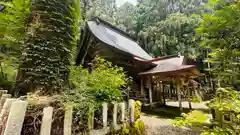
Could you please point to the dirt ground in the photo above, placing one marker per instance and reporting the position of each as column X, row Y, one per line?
column 159, row 120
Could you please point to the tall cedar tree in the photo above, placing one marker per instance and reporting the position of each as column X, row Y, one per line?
column 46, row 53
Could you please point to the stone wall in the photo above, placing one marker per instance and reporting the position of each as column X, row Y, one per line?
column 13, row 111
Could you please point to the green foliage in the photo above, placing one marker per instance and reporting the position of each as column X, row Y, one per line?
column 137, row 110
column 83, row 103
column 220, row 131
column 221, row 34
column 46, row 53
column 105, row 82
column 193, row 118
column 195, row 99
column 173, row 35
column 105, row 9
column 8, row 69
column 137, row 129
column 226, row 100
column 13, row 22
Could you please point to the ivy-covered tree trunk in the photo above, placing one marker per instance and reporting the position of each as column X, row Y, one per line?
column 46, row 53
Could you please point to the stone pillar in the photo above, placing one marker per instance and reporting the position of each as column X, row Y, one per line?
column 16, row 118
column 131, row 109
column 104, row 114
column 122, row 107
column 3, row 99
column 3, row 92
column 91, row 119
column 4, row 114
column 46, row 121
column 68, row 121
column 114, row 124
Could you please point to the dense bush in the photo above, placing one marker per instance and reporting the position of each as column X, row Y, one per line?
column 105, row 83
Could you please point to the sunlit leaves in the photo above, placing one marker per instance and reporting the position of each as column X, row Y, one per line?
column 105, row 81
column 220, row 31
column 193, row 118
column 13, row 22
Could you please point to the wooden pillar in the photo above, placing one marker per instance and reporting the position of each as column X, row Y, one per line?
column 189, row 97
column 171, row 91
column 150, row 89
column 160, row 91
column 142, row 86
column 163, row 93
column 179, row 95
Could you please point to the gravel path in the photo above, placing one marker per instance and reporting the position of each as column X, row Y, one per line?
column 160, row 126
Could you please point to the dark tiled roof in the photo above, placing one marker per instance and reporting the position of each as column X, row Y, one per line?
column 117, row 39
column 170, row 66
column 165, row 68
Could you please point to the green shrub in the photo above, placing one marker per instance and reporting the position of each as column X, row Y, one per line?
column 137, row 110
column 137, row 129
column 191, row 119
column 195, row 99
column 8, row 70
column 104, row 83
column 82, row 103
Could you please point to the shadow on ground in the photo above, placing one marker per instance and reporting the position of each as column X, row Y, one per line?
column 168, row 112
